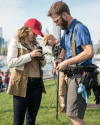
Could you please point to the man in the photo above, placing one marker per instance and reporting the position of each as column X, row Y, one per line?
column 54, row 74
column 1, row 81
column 60, row 14
column 50, row 40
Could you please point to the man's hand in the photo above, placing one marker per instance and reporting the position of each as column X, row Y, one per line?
column 62, row 66
column 54, row 65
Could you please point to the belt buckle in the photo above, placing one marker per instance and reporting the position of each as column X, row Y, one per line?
column 31, row 79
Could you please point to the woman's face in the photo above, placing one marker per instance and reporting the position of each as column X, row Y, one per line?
column 31, row 36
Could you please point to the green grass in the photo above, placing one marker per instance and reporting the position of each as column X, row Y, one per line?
column 92, row 116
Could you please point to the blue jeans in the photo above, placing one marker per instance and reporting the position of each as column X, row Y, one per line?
column 1, row 87
column 6, row 86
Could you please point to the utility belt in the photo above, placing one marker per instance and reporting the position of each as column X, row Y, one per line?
column 70, row 71
column 89, row 74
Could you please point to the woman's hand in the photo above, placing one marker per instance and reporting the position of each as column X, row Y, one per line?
column 42, row 60
column 36, row 53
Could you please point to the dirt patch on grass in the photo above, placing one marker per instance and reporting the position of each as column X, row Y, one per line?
column 93, row 106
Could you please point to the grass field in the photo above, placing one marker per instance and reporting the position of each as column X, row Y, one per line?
column 92, row 116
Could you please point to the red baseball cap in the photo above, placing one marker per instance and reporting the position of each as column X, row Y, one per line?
column 35, row 25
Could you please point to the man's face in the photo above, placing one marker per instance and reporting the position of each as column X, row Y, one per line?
column 59, row 21
column 50, row 42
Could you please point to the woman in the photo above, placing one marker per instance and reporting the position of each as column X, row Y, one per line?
column 26, row 84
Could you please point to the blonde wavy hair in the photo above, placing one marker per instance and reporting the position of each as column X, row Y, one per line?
column 23, row 32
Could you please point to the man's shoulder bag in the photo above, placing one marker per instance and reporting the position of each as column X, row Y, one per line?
column 90, row 73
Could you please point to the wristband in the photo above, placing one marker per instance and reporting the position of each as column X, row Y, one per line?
column 60, row 58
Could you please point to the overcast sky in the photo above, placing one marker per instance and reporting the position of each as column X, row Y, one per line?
column 14, row 13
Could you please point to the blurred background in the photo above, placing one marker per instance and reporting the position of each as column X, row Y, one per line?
column 14, row 13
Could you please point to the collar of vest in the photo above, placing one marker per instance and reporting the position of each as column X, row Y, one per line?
column 26, row 45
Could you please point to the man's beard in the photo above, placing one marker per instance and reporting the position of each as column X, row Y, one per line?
column 51, row 44
column 63, row 24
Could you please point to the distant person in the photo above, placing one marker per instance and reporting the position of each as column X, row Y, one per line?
column 2, row 74
column 54, row 74
column 8, row 71
column 9, row 74
column 26, row 83
column 1, row 82
column 50, row 40
column 6, row 81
